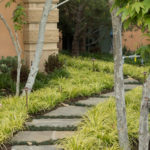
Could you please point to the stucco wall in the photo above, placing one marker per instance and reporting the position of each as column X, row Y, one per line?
column 29, row 34
column 134, row 39
column 6, row 45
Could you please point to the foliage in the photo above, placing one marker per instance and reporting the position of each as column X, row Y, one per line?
column 18, row 14
column 7, row 85
column 98, row 129
column 88, row 15
column 23, row 74
column 53, row 63
column 144, row 51
column 7, row 64
column 75, row 79
column 135, row 12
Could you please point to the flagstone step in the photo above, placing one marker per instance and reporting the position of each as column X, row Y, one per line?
column 91, row 101
column 130, row 86
column 68, row 111
column 53, row 123
column 39, row 147
column 37, row 137
column 130, row 81
column 110, row 94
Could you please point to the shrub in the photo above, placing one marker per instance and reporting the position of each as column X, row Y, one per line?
column 7, row 85
column 23, row 75
column 53, row 63
column 8, row 63
column 144, row 51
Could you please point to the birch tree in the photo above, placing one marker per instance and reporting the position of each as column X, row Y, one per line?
column 144, row 128
column 136, row 13
column 18, row 17
column 119, row 80
column 39, row 46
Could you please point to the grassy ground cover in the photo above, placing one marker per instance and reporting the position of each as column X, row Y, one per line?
column 99, row 128
column 77, row 78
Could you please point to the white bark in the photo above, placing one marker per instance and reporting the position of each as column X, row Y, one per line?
column 18, row 51
column 119, row 81
column 143, row 129
column 39, row 47
column 18, row 67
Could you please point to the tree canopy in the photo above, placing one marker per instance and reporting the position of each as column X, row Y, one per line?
column 134, row 12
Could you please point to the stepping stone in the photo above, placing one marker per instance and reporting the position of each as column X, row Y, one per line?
column 43, row 147
column 91, row 101
column 130, row 86
column 130, row 81
column 40, row 136
column 61, row 123
column 68, row 111
column 111, row 94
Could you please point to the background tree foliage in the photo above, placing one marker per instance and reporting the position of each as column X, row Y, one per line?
column 80, row 18
column 135, row 12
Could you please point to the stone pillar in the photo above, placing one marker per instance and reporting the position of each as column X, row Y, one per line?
column 34, row 10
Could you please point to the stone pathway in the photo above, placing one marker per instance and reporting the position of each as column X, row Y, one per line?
column 42, row 133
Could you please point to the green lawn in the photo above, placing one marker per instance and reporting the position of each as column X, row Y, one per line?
column 77, row 78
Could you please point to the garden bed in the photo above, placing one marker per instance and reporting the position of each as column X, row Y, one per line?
column 99, row 127
column 78, row 78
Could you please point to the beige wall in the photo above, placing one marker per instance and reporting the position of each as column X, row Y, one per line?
column 6, row 45
column 29, row 35
column 134, row 39
column 34, row 10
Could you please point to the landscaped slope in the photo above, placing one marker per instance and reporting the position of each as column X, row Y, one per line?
column 99, row 128
column 79, row 77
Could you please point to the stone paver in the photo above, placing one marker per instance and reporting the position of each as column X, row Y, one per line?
column 54, row 122
column 40, row 136
column 68, row 111
column 108, row 94
column 43, row 147
column 130, row 80
column 130, row 86
column 91, row 101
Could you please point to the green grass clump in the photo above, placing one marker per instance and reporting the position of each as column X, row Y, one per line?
column 68, row 83
column 99, row 127
column 75, row 79
column 136, row 72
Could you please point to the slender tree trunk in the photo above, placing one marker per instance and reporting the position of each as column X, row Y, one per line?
column 39, row 47
column 75, row 43
column 119, row 81
column 18, row 51
column 143, row 129
column 83, row 42
column 18, row 75
column 19, row 66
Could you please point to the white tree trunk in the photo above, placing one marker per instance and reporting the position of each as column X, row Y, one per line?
column 143, row 129
column 119, row 81
column 18, row 76
column 39, row 47
column 18, row 67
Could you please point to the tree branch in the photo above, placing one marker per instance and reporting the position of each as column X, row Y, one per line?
column 20, row 49
column 58, row 5
column 10, row 33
